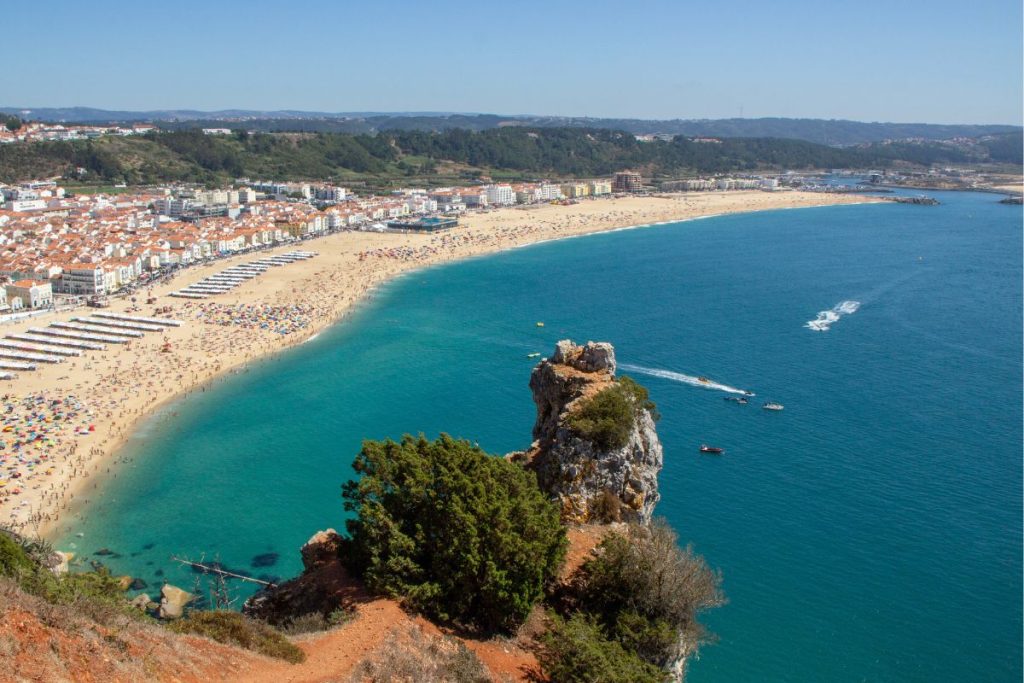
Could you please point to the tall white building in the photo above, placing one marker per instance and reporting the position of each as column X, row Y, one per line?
column 172, row 206
column 500, row 195
column 330, row 193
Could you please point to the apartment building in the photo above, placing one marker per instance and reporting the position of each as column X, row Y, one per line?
column 627, row 181
column 85, row 279
column 500, row 195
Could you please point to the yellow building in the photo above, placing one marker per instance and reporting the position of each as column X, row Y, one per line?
column 576, row 190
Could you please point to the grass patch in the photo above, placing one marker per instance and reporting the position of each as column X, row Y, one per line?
column 412, row 656
column 315, row 621
column 232, row 628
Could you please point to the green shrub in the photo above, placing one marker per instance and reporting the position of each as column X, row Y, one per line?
column 14, row 561
column 68, row 588
column 233, row 628
column 654, row 640
column 577, row 651
column 94, row 594
column 642, row 575
column 640, row 396
column 607, row 418
column 458, row 534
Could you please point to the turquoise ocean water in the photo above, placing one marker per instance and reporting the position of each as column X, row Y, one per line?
column 869, row 532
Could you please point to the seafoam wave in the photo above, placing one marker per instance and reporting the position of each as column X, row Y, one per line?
column 683, row 379
column 826, row 319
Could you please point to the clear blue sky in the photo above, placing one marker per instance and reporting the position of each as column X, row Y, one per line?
column 938, row 61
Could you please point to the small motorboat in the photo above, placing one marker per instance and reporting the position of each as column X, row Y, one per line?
column 705, row 380
column 540, row 324
column 535, row 354
column 772, row 405
column 715, row 450
column 742, row 400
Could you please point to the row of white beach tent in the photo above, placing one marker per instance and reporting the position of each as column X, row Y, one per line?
column 63, row 340
column 228, row 279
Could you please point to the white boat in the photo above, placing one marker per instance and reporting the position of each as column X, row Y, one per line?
column 772, row 405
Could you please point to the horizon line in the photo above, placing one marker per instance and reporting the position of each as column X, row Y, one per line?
column 294, row 113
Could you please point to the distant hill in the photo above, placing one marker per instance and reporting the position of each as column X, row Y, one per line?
column 458, row 156
column 834, row 132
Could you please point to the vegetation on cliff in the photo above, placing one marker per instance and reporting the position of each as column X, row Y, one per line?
column 96, row 594
column 100, row 597
column 639, row 594
column 576, row 650
column 607, row 418
column 454, row 532
column 642, row 575
column 237, row 629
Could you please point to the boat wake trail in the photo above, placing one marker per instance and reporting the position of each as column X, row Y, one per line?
column 826, row 319
column 683, row 379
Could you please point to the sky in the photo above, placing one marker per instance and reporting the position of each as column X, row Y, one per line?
column 938, row 61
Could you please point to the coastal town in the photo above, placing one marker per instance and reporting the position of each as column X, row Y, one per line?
column 59, row 249
column 36, row 131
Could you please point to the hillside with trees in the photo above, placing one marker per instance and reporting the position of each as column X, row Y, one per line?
column 456, row 155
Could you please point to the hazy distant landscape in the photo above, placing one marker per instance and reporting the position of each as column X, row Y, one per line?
column 823, row 131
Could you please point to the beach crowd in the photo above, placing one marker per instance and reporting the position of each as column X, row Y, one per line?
column 277, row 319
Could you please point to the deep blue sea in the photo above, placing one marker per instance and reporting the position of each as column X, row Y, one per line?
column 869, row 532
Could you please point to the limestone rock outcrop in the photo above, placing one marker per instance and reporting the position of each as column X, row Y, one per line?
column 591, row 483
column 173, row 601
column 322, row 548
column 323, row 587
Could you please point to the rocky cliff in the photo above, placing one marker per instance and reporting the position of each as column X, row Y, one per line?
column 592, row 482
column 323, row 587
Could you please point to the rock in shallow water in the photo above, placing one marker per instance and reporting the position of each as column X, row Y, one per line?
column 173, row 601
column 264, row 560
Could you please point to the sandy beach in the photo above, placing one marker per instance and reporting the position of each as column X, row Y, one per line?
column 68, row 419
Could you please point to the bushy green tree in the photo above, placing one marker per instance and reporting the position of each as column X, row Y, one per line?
column 454, row 532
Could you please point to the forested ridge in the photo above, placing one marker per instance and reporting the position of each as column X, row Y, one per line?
column 440, row 157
